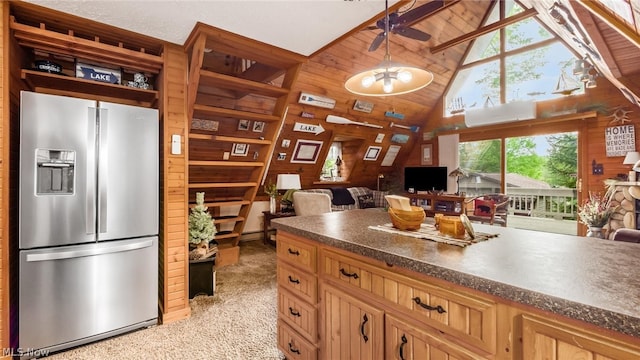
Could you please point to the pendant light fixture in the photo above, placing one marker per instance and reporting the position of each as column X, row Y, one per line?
column 388, row 78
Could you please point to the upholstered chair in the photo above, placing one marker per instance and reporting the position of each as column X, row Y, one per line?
column 307, row 203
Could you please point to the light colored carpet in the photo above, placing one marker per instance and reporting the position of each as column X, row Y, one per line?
column 237, row 322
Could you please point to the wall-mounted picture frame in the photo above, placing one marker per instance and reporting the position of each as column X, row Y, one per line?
column 243, row 125
column 286, row 143
column 282, row 156
column 427, row 154
column 372, row 153
column 379, row 138
column 306, row 151
column 240, row 149
column 258, row 126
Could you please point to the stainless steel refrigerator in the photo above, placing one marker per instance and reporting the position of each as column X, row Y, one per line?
column 88, row 220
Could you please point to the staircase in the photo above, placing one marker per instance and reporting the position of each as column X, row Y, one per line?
column 238, row 95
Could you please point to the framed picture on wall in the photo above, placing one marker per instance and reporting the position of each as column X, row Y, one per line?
column 372, row 153
column 240, row 150
column 258, row 126
column 243, row 125
column 427, row 154
column 306, row 151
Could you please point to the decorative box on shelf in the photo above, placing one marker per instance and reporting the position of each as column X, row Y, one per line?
column 98, row 73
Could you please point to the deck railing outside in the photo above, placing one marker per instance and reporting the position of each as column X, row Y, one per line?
column 560, row 204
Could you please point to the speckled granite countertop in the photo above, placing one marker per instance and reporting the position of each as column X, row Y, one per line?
column 593, row 280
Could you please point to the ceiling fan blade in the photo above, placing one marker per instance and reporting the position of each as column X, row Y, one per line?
column 413, row 34
column 376, row 42
column 417, row 14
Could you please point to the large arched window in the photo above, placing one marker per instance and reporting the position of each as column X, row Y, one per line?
column 527, row 65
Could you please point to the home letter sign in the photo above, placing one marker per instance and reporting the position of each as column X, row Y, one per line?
column 620, row 140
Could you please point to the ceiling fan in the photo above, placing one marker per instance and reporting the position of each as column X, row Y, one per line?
column 401, row 23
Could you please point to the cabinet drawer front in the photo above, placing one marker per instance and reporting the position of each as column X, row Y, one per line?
column 298, row 314
column 301, row 254
column 293, row 345
column 466, row 317
column 298, row 282
column 404, row 341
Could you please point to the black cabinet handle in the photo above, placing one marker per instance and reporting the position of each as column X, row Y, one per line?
column 345, row 273
column 401, row 350
column 293, row 281
column 294, row 312
column 438, row 308
column 296, row 252
column 293, row 350
column 365, row 320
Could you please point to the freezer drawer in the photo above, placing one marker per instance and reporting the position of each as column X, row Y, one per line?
column 70, row 294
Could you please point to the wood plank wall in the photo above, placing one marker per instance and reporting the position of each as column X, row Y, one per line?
column 4, row 177
column 174, row 260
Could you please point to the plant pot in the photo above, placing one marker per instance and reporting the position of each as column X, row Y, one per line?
column 595, row 232
column 272, row 204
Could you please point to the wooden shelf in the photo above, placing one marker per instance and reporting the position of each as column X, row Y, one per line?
column 67, row 44
column 38, row 81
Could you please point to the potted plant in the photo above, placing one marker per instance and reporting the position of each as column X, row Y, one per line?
column 201, row 229
column 271, row 190
column 595, row 213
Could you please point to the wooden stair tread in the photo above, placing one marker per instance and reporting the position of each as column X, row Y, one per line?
column 227, row 219
column 200, row 110
column 226, row 163
column 231, row 139
column 220, row 185
column 221, row 235
column 210, row 78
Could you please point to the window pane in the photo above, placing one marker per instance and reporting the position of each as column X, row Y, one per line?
column 481, row 160
column 483, row 47
column 331, row 167
column 471, row 87
column 534, row 75
column 523, row 33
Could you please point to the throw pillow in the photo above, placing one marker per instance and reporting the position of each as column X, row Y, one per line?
column 482, row 207
column 366, row 201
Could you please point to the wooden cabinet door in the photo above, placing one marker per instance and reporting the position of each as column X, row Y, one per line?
column 407, row 342
column 546, row 339
column 352, row 329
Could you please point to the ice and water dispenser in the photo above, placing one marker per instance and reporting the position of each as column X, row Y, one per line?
column 54, row 171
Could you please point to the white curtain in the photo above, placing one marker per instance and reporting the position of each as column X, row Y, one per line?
column 448, row 156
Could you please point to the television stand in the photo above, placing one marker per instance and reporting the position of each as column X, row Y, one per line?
column 447, row 204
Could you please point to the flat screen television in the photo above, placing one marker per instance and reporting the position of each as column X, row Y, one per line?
column 426, row 178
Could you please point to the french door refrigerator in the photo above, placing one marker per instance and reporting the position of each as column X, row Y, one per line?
column 88, row 220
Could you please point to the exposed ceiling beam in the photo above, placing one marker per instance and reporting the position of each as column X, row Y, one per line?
column 484, row 30
column 597, row 9
column 584, row 17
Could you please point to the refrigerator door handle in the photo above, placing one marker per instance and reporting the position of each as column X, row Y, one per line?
column 70, row 254
column 103, row 162
column 90, row 205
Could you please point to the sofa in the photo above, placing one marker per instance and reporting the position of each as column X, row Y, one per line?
column 352, row 198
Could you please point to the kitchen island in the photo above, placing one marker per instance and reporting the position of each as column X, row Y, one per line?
column 523, row 294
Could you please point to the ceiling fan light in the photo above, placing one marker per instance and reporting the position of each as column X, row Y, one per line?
column 367, row 81
column 387, row 85
column 578, row 69
column 405, row 76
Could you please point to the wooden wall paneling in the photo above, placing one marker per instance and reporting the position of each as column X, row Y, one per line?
column 174, row 259
column 5, row 290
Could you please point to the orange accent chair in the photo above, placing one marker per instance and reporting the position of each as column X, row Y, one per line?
column 488, row 208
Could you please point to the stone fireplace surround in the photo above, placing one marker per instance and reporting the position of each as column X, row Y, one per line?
column 625, row 215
